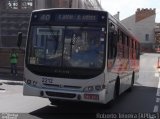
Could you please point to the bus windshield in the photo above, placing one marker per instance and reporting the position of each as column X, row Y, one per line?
column 67, row 46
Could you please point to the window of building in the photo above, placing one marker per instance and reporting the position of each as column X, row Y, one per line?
column 147, row 37
column 26, row 4
column 20, row 4
column 13, row 4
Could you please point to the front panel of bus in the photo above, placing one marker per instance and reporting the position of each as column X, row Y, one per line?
column 66, row 53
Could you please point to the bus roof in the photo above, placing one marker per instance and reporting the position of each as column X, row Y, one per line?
column 68, row 9
column 123, row 27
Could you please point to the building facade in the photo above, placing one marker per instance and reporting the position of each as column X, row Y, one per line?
column 14, row 18
column 157, row 37
column 15, row 14
column 86, row 4
column 142, row 25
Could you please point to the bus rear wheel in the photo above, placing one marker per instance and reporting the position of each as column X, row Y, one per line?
column 132, row 82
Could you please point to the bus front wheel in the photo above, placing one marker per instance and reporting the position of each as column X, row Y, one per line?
column 117, row 88
column 115, row 93
column 55, row 102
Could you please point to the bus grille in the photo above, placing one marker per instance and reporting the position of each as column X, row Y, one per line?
column 62, row 86
column 63, row 95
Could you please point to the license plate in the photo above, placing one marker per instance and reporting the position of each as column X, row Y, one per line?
column 91, row 96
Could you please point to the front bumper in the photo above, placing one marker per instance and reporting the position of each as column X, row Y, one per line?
column 96, row 97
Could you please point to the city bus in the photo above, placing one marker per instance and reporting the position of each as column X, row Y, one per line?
column 79, row 55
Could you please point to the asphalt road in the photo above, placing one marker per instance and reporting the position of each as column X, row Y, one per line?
column 144, row 98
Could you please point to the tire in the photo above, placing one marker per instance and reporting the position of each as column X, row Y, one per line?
column 132, row 82
column 117, row 88
column 55, row 102
column 116, row 93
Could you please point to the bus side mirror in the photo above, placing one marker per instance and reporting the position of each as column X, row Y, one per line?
column 19, row 40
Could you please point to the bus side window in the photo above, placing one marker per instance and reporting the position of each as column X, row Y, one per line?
column 133, row 49
column 115, row 43
column 131, row 43
column 123, row 44
column 123, row 38
column 137, row 51
column 128, row 45
column 125, row 47
column 128, row 42
column 130, row 48
column 120, row 37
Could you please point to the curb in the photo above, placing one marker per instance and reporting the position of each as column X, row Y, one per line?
column 8, row 76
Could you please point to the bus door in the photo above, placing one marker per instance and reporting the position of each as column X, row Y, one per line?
column 112, row 45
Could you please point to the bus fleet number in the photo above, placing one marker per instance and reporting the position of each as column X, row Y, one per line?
column 47, row 81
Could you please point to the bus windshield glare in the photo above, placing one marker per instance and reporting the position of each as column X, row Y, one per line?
column 67, row 46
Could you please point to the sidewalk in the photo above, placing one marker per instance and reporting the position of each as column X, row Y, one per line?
column 6, row 75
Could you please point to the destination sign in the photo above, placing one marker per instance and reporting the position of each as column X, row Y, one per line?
column 68, row 18
column 75, row 17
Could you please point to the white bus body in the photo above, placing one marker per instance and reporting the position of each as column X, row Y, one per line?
column 115, row 72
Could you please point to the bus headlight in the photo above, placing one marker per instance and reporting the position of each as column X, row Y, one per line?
column 34, row 83
column 30, row 82
column 99, row 87
column 88, row 89
column 94, row 88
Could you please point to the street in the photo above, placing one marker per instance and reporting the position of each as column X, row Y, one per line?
column 144, row 98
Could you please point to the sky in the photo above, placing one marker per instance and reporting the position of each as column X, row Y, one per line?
column 129, row 7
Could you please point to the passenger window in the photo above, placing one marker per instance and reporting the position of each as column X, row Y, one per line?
column 120, row 37
column 127, row 41
column 137, row 51
column 123, row 38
